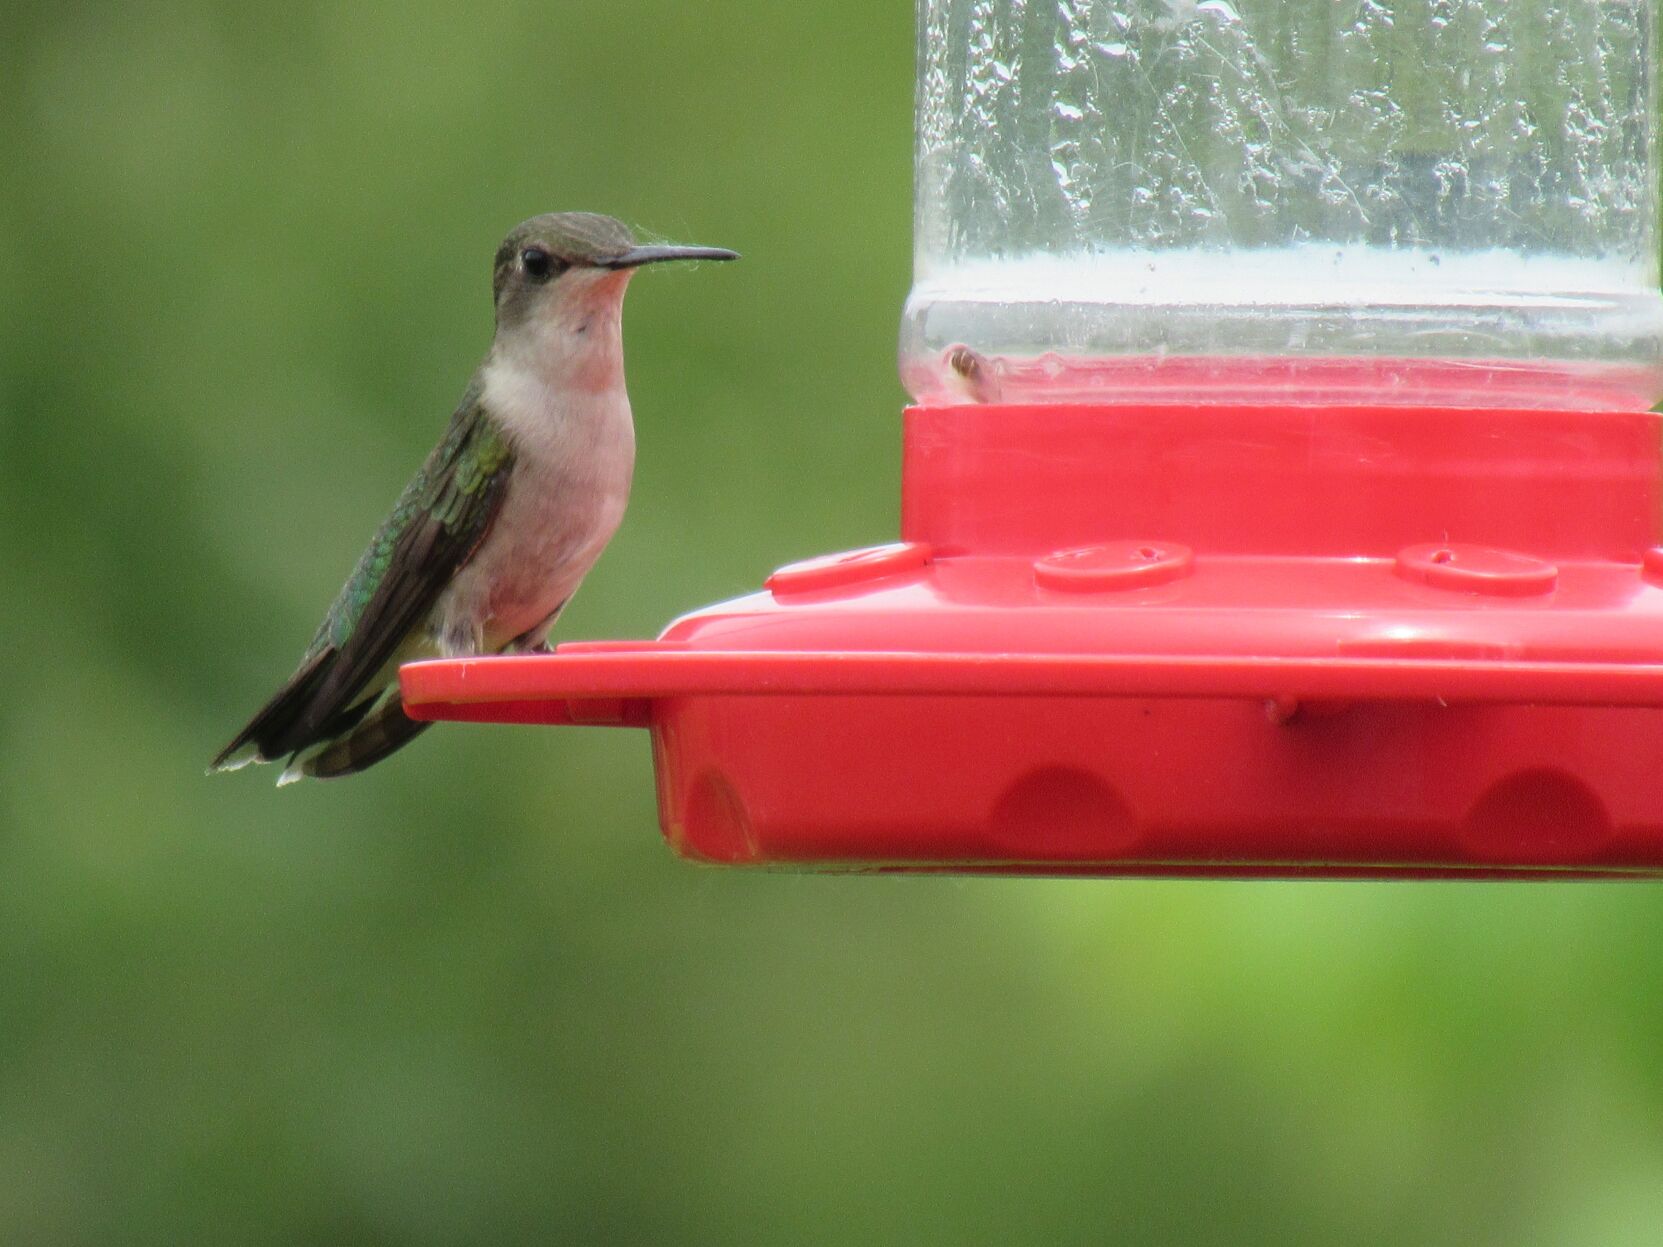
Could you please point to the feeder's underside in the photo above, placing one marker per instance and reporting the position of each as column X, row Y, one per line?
column 1117, row 785
column 1079, row 765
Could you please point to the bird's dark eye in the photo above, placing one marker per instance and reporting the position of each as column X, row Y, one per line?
column 539, row 265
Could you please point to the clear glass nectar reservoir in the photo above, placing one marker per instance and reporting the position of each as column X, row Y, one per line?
column 1413, row 201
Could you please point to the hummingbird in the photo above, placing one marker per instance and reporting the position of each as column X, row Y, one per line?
column 495, row 532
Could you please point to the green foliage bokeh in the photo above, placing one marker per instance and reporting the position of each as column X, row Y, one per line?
column 469, row 997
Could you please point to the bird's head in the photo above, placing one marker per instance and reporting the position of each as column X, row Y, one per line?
column 565, row 272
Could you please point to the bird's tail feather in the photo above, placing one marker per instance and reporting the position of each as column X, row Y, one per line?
column 262, row 739
column 385, row 729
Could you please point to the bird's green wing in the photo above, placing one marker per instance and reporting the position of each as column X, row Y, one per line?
column 436, row 525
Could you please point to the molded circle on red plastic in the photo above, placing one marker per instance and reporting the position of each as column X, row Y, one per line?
column 1476, row 569
column 1651, row 563
column 1116, row 565
column 835, row 571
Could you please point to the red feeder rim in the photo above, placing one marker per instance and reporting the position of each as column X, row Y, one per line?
column 1174, row 639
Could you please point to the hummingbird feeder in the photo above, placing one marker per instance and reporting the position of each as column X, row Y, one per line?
column 1280, row 495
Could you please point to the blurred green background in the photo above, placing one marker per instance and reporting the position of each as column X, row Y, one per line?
column 469, row 997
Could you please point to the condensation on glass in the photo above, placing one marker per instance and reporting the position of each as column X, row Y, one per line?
column 1416, row 201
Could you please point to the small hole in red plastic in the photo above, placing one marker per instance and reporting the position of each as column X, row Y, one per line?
column 1443, row 556
column 1148, row 553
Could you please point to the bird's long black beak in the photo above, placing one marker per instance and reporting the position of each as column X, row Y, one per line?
column 637, row 256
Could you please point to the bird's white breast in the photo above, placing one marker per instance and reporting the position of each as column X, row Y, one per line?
column 565, row 412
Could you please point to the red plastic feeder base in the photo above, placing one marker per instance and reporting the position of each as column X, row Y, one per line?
column 1175, row 640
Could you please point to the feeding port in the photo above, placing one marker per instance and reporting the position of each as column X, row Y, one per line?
column 1280, row 494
